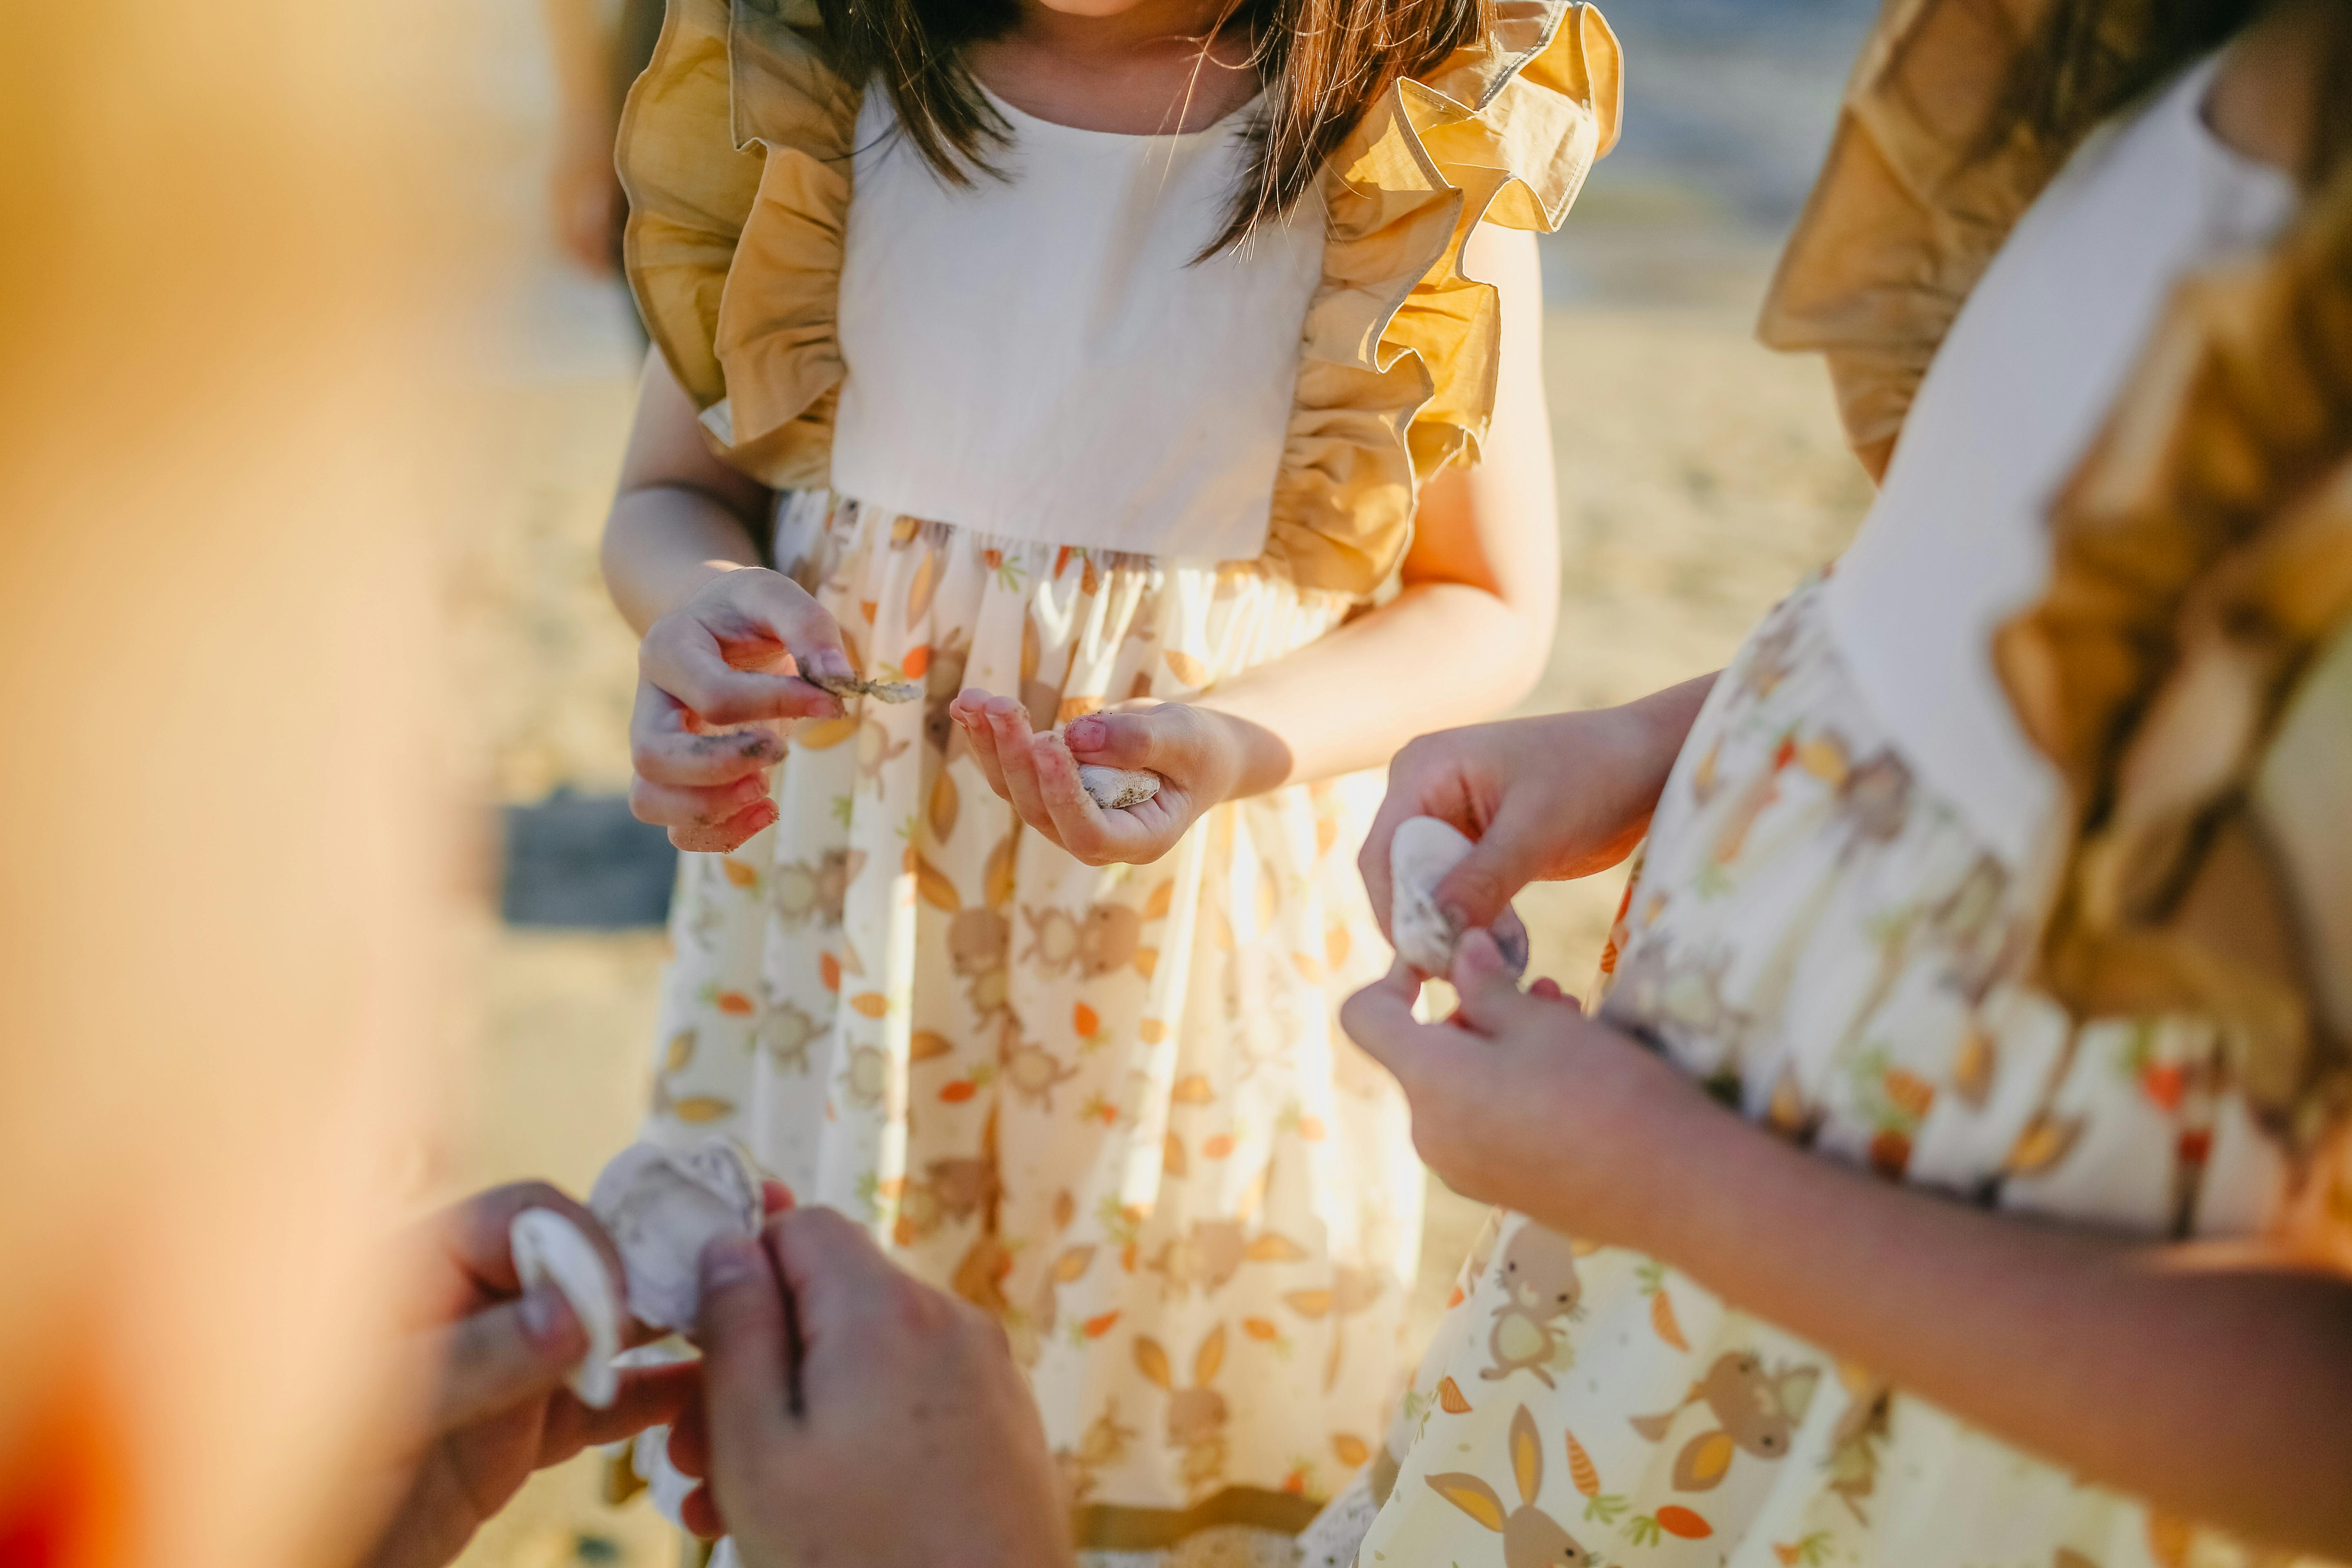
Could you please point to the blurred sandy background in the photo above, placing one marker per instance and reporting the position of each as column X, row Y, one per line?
column 1700, row 478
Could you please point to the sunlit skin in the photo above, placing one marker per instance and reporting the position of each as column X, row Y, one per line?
column 2209, row 1377
column 1467, row 634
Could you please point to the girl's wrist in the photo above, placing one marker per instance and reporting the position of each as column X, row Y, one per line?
column 1249, row 758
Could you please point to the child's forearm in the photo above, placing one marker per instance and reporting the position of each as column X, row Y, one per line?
column 663, row 543
column 1438, row 654
column 2213, row 1378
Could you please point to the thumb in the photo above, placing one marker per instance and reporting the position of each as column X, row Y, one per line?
column 1488, row 987
column 1144, row 739
column 746, row 1353
column 1505, row 858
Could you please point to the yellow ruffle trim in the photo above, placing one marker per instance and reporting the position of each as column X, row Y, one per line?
column 735, row 150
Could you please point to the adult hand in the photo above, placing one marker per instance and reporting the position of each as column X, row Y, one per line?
column 1565, row 795
column 1199, row 755
column 913, row 1442
column 1521, row 1099
column 729, row 657
column 496, row 1358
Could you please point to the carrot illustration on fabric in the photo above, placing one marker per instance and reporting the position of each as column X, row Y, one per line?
column 1538, row 1274
column 1531, row 1538
column 1753, row 1409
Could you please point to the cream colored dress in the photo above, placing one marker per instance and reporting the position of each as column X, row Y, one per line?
column 1832, row 927
column 1062, row 461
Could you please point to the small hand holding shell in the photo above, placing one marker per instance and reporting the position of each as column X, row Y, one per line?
column 1424, row 849
column 1115, row 789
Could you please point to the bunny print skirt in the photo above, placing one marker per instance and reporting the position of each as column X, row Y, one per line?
column 1819, row 937
column 1111, row 1106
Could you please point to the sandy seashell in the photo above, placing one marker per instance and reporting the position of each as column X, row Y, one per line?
column 848, row 686
column 1115, row 789
column 661, row 1208
column 550, row 1249
column 1424, row 851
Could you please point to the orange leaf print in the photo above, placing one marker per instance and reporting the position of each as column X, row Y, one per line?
column 1310, row 1128
column 678, row 1053
column 1327, row 834
column 2044, row 1143
column 1084, row 1021
column 1337, row 944
column 739, row 874
column 1077, row 708
column 1309, row 1303
column 821, row 734
column 1350, row 1449
column 828, row 970
column 1449, row 1398
column 1066, row 1209
column 947, row 800
column 1908, row 1090
column 1162, row 898
column 958, row 1092
column 1192, row 1088
column 1582, row 1469
column 917, row 661
column 1890, row 1154
column 1662, row 1317
column 701, row 1108
column 1260, row 1329
column 1217, row 1147
column 1073, row 1264
column 920, row 591
column 1032, row 649
column 1185, row 667
column 1151, row 1031
column 872, row 1004
column 1146, row 959
column 1676, row 1520
column 1172, row 1158
column 868, row 608
column 996, row 878
column 929, row 1045
column 1096, row 1327
column 932, row 884
column 736, row 1002
column 1309, row 967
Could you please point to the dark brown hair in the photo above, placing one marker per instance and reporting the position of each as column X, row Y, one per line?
column 2092, row 57
column 1322, row 63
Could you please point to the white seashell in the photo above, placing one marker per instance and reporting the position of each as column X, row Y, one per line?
column 1424, row 851
column 848, row 686
column 549, row 1248
column 1115, row 789
column 661, row 1208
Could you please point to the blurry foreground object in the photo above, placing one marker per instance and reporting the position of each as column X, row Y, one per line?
column 217, row 832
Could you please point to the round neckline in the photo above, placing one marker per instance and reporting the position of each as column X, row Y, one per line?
column 1021, row 117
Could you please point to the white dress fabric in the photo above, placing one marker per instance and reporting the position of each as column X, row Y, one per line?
column 1957, row 543
column 1047, row 356
column 1110, row 1105
column 1822, row 931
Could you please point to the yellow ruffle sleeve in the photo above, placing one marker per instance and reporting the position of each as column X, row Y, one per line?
column 735, row 150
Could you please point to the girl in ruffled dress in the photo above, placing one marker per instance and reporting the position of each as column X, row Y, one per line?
column 1955, row 1172
column 1155, row 385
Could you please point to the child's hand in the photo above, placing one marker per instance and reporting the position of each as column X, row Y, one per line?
column 715, row 662
column 1194, row 753
column 1563, row 795
column 1522, row 1100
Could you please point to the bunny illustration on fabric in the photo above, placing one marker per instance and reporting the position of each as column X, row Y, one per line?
column 1537, row 1273
column 1531, row 1538
column 1196, row 1416
column 1753, row 1409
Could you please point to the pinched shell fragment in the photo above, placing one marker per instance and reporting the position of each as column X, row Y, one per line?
column 848, row 686
column 661, row 1208
column 1115, row 789
column 1424, row 851
column 550, row 1249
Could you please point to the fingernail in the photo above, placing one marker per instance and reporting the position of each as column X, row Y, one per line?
column 829, row 662
column 729, row 1260
column 547, row 1318
column 1088, row 732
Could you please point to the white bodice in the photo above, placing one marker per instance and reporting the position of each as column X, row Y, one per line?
column 1041, row 357
column 1959, row 540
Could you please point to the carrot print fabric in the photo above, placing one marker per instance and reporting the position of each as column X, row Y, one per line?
column 1110, row 1106
column 1818, row 936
